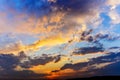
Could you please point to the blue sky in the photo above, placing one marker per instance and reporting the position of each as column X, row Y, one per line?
column 51, row 37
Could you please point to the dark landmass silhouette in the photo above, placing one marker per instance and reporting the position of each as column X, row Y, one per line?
column 87, row 78
column 98, row 78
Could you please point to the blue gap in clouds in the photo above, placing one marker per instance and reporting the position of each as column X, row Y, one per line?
column 106, row 20
column 30, row 7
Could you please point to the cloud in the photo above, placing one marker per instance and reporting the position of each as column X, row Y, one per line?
column 8, row 61
column 49, row 41
column 95, row 42
column 61, row 23
column 54, row 21
column 11, row 61
column 43, row 60
column 113, row 4
column 41, row 7
column 25, row 61
column 112, row 70
column 113, row 11
column 110, row 57
column 88, row 50
column 114, row 15
column 18, row 46
column 50, row 21
column 76, row 7
column 25, row 74
column 99, row 66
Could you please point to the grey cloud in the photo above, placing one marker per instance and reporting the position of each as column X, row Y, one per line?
column 42, row 60
column 8, row 61
column 107, row 37
column 88, row 50
column 37, row 61
column 23, row 75
column 90, row 36
column 111, row 57
column 77, row 6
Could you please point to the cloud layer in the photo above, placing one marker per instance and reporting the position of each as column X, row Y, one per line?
column 47, row 38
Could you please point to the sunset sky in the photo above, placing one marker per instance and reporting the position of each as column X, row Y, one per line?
column 59, row 39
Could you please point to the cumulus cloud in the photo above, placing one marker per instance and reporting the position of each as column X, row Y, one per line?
column 10, row 62
column 54, row 21
column 25, row 74
column 25, row 61
column 62, row 19
column 94, row 67
column 88, row 50
column 61, row 23
column 113, row 4
column 39, row 61
column 111, row 57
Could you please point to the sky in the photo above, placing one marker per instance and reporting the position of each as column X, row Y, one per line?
column 59, row 39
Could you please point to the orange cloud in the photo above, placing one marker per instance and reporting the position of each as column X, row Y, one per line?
column 47, row 68
column 60, row 74
column 54, row 29
column 49, row 41
column 12, row 48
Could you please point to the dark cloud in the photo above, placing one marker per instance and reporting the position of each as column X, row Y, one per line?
column 111, row 57
column 110, row 70
column 57, row 58
column 42, row 7
column 95, row 42
column 92, row 37
column 94, row 48
column 77, row 66
column 86, row 33
column 22, row 55
column 91, row 71
column 107, row 37
column 37, row 61
column 25, row 74
column 114, row 48
column 102, row 36
column 55, row 71
column 42, row 60
column 8, row 61
column 77, row 6
column 88, row 50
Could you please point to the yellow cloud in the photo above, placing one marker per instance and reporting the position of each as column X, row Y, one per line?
column 55, row 29
column 62, row 73
column 49, row 66
column 49, row 41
